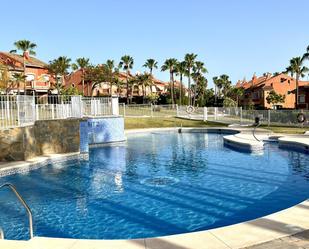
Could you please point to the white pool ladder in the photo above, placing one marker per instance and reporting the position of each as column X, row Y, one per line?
column 23, row 202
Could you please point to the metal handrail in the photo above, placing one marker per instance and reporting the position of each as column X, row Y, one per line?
column 23, row 202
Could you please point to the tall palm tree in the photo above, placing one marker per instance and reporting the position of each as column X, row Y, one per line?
column 112, row 71
column 170, row 64
column 198, row 70
column 82, row 63
column 296, row 67
column 143, row 80
column 126, row 63
column 151, row 64
column 181, row 70
column 59, row 67
column 118, row 83
column 190, row 60
column 27, row 48
column 237, row 92
column 226, row 84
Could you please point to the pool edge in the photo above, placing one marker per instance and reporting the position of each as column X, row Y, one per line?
column 274, row 226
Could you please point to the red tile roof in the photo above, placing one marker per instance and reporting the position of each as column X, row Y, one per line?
column 9, row 58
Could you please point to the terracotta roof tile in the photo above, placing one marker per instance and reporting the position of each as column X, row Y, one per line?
column 34, row 62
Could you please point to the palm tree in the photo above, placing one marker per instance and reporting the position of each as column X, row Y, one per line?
column 126, row 63
column 296, row 67
column 112, row 71
column 190, row 59
column 181, row 70
column 19, row 77
column 27, row 48
column 237, row 92
column 198, row 70
column 151, row 64
column 170, row 64
column 144, row 80
column 118, row 83
column 59, row 67
column 82, row 63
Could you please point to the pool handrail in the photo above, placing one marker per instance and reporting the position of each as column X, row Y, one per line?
column 23, row 202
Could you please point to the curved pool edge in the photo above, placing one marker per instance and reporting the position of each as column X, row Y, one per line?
column 274, row 226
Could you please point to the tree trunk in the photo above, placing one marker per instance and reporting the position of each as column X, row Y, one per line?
column 215, row 95
column 24, row 64
column 127, row 88
column 144, row 93
column 111, row 89
column 189, row 85
column 194, row 97
column 171, row 87
column 296, row 93
column 180, row 90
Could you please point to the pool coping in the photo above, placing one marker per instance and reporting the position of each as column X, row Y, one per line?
column 274, row 226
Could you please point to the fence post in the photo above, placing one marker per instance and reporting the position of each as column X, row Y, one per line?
column 216, row 112
column 177, row 111
column 37, row 117
column 205, row 114
column 240, row 115
column 18, row 109
column 151, row 110
column 124, row 109
column 115, row 106
column 268, row 117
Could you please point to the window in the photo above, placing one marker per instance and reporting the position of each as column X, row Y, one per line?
column 45, row 78
column 301, row 99
column 30, row 77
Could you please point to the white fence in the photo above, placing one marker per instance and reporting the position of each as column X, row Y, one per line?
column 23, row 110
column 148, row 110
column 235, row 115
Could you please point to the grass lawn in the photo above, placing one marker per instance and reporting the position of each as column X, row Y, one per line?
column 160, row 122
column 139, row 123
column 287, row 130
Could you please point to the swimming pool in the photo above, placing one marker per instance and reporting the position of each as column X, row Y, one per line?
column 155, row 184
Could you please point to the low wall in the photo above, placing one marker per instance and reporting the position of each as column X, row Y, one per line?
column 44, row 137
column 96, row 131
column 59, row 136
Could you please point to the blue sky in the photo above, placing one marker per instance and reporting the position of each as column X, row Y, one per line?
column 236, row 37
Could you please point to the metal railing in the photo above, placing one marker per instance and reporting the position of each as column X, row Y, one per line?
column 147, row 110
column 237, row 115
column 23, row 202
column 21, row 110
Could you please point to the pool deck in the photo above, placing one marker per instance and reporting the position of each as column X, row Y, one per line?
column 288, row 228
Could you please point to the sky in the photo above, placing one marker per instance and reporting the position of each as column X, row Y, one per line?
column 233, row 37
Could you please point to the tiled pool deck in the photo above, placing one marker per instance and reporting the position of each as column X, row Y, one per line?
column 288, row 228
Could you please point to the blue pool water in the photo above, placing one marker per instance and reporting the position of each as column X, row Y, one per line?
column 153, row 185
